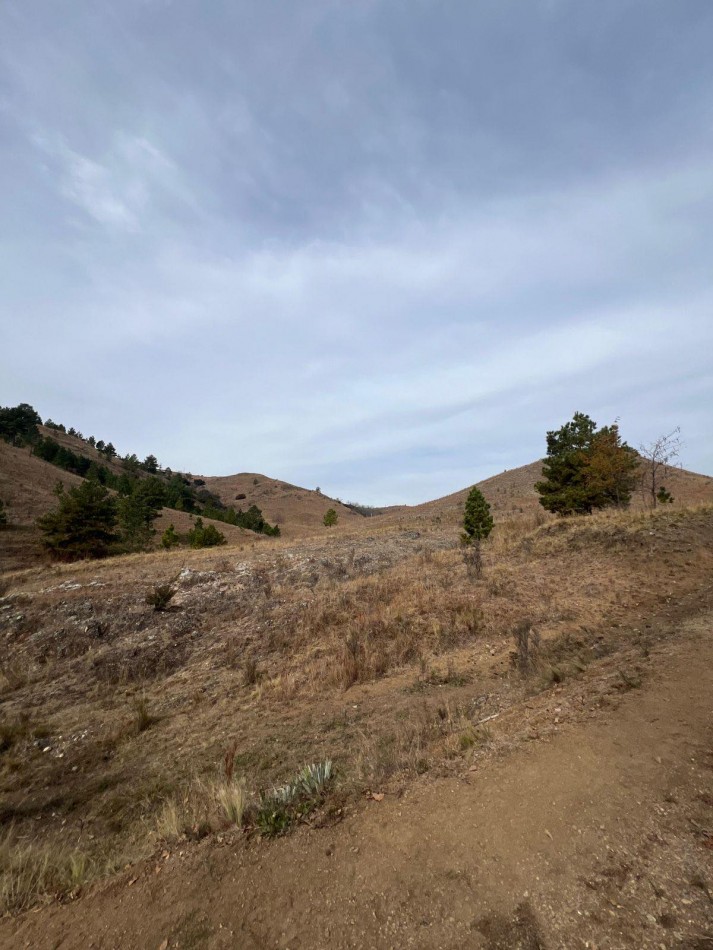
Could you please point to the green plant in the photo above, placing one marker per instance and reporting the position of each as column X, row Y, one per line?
column 283, row 805
column 330, row 518
column 137, row 512
column 204, row 536
column 586, row 468
column 477, row 520
column 170, row 538
column 18, row 424
column 83, row 524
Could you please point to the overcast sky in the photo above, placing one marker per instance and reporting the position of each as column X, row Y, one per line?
column 379, row 246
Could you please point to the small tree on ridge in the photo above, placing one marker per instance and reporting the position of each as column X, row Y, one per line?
column 477, row 520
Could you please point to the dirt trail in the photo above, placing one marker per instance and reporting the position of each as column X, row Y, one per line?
column 600, row 838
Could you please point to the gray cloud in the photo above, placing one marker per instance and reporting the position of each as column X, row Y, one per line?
column 379, row 247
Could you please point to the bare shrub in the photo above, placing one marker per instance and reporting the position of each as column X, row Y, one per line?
column 473, row 559
column 229, row 761
column 251, row 672
column 527, row 646
column 161, row 595
column 143, row 719
column 353, row 665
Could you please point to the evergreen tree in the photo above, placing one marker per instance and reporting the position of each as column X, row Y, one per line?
column 330, row 518
column 83, row 524
column 170, row 538
column 477, row 520
column 137, row 512
column 151, row 464
column 18, row 424
column 204, row 536
column 609, row 469
column 586, row 468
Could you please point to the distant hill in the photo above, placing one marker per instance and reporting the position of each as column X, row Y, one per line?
column 27, row 488
column 296, row 510
column 512, row 493
column 27, row 483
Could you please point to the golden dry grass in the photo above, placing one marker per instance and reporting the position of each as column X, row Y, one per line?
column 371, row 647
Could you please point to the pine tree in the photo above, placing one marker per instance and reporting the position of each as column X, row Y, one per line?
column 170, row 537
column 586, row 468
column 83, row 524
column 204, row 536
column 137, row 512
column 330, row 518
column 477, row 520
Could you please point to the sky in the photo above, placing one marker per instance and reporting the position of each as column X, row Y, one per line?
column 379, row 246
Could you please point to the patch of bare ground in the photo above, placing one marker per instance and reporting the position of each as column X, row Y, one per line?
column 376, row 651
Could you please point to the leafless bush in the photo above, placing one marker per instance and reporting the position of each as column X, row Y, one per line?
column 473, row 560
column 251, row 672
column 352, row 659
column 161, row 595
column 143, row 718
column 527, row 646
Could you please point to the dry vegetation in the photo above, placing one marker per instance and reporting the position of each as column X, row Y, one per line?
column 122, row 726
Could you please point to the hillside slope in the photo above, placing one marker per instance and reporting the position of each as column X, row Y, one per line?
column 478, row 802
column 27, row 487
column 296, row 510
column 512, row 493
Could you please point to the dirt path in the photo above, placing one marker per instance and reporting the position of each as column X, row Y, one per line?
column 601, row 837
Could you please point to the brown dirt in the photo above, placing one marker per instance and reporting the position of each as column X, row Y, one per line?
column 597, row 836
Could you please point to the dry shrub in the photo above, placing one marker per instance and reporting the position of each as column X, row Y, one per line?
column 251, row 672
column 15, row 672
column 161, row 595
column 232, row 799
column 202, row 808
column 143, row 719
column 14, row 731
column 473, row 559
column 527, row 646
column 500, row 581
column 192, row 814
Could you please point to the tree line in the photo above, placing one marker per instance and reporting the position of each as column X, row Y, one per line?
column 91, row 519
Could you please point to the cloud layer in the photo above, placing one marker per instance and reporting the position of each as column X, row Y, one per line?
column 376, row 246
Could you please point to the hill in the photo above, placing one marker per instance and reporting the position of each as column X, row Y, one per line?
column 512, row 494
column 27, row 487
column 296, row 510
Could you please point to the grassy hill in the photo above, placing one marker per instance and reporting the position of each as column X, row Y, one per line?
column 296, row 510
column 512, row 494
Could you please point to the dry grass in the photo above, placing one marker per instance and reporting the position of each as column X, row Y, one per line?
column 30, row 871
column 374, row 648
